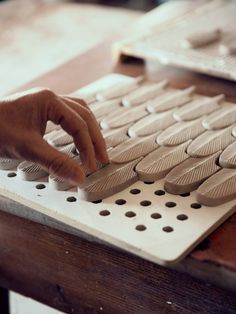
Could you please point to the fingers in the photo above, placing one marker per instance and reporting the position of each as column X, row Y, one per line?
column 81, row 108
column 75, row 126
column 52, row 160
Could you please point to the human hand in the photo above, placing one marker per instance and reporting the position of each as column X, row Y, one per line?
column 23, row 120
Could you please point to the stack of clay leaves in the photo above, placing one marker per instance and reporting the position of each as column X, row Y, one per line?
column 155, row 132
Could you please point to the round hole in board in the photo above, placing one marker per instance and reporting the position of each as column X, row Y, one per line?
column 185, row 194
column 71, row 199
column 168, row 229
column 40, row 186
column 104, row 213
column 182, row 217
column 130, row 214
column 159, row 192
column 156, row 216
column 141, row 228
column 135, row 191
column 146, row 182
column 196, row 205
column 120, row 201
column 11, row 175
column 97, row 202
column 145, row 203
column 170, row 204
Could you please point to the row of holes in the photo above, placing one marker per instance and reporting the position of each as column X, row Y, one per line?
column 130, row 214
column 144, row 203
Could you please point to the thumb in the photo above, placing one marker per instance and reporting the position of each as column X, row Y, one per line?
column 54, row 162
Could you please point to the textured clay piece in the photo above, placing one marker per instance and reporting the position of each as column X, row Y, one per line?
column 180, row 132
column 188, row 175
column 221, row 118
column 59, row 184
column 158, row 163
column 228, row 157
column 152, row 124
column 143, row 94
column 133, row 149
column 89, row 98
column 61, row 138
column 124, row 117
column 116, row 136
column 29, row 171
column 211, row 142
column 218, row 189
column 119, row 90
column 51, row 127
column 7, row 163
column 69, row 150
column 107, row 181
column 170, row 100
column 198, row 108
column 202, row 39
column 101, row 109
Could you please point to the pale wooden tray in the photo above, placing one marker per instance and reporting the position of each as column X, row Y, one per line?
column 122, row 219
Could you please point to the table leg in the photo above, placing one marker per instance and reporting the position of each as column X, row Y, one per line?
column 4, row 301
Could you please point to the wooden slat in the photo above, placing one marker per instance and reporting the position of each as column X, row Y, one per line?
column 75, row 275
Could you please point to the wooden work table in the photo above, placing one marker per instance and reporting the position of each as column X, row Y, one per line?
column 63, row 268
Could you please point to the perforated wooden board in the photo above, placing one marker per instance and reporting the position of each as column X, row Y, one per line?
column 165, row 42
column 143, row 219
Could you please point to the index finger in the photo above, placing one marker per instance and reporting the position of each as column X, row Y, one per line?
column 74, row 125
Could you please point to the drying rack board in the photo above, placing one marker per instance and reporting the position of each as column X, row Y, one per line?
column 143, row 219
column 163, row 40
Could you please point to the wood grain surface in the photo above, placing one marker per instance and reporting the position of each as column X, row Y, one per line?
column 75, row 275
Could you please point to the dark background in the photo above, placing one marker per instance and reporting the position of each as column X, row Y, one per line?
column 133, row 4
column 144, row 5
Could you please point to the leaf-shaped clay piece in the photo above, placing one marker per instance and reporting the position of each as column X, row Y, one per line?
column 211, row 142
column 30, row 171
column 221, row 118
column 8, row 163
column 103, row 108
column 60, row 138
column 107, row 181
column 218, row 189
column 157, row 164
column 133, row 149
column 180, row 132
column 60, row 184
column 200, row 39
column 124, row 117
column 143, row 94
column 152, row 124
column 188, row 175
column 115, row 137
column 198, row 108
column 170, row 100
column 228, row 157
column 51, row 127
column 120, row 89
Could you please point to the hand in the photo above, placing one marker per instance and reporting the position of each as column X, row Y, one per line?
column 23, row 120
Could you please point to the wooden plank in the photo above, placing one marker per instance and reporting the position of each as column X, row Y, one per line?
column 75, row 275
